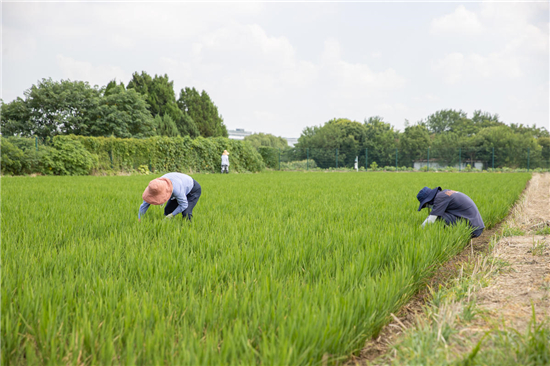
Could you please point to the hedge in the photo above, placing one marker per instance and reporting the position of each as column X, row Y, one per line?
column 156, row 154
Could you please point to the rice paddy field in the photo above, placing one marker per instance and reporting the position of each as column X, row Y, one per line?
column 280, row 268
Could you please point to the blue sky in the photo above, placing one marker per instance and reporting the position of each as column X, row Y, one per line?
column 279, row 67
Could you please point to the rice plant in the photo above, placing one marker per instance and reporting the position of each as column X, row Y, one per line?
column 282, row 268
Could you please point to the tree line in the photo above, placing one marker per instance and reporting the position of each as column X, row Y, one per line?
column 444, row 132
column 145, row 107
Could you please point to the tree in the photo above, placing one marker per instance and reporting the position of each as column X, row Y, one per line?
column 202, row 111
column 122, row 113
column 161, row 99
column 14, row 118
column 413, row 144
column 482, row 119
column 544, row 143
column 165, row 126
column 381, row 141
column 59, row 108
column 449, row 120
column 266, row 139
column 140, row 83
column 339, row 133
column 511, row 148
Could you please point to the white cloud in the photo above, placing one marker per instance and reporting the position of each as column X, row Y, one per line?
column 356, row 79
column 513, row 41
column 122, row 41
column 460, row 22
column 451, row 67
column 456, row 67
column 17, row 45
column 94, row 74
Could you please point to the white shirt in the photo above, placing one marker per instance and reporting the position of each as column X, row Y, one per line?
column 225, row 160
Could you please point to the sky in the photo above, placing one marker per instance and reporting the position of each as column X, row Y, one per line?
column 278, row 67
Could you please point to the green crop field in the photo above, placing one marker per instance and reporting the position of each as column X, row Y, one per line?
column 276, row 269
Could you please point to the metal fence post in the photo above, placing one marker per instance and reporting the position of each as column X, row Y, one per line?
column 279, row 158
column 111, row 157
column 307, row 161
column 459, row 159
column 493, row 158
column 396, row 160
column 366, row 159
column 336, row 158
column 528, row 154
column 428, row 165
column 36, row 142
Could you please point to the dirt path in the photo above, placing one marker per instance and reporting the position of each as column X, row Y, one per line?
column 510, row 296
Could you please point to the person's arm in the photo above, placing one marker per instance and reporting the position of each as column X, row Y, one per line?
column 143, row 209
column 429, row 220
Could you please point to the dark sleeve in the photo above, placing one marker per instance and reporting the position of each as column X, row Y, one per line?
column 441, row 202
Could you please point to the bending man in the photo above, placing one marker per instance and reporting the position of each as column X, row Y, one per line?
column 450, row 206
column 180, row 191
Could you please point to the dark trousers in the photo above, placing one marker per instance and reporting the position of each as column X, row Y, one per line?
column 192, row 199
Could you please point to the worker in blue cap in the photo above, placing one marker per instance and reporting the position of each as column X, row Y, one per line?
column 450, row 206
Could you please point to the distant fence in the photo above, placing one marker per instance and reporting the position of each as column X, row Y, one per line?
column 460, row 159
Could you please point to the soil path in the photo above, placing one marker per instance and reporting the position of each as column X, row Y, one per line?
column 510, row 296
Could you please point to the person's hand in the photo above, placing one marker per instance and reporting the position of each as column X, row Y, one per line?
column 139, row 220
column 168, row 217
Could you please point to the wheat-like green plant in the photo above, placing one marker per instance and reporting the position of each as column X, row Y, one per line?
column 281, row 268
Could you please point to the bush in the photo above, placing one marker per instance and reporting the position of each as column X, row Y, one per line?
column 171, row 154
column 270, row 156
column 298, row 165
column 12, row 158
column 68, row 157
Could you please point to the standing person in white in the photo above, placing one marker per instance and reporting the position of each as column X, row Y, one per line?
column 225, row 162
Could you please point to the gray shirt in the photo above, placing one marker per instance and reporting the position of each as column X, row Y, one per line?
column 225, row 160
column 182, row 184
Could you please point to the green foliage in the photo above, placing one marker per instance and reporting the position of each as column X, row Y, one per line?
column 270, row 272
column 270, row 156
column 512, row 231
column 381, row 141
column 68, row 157
column 299, row 165
column 21, row 156
column 14, row 118
column 109, row 154
column 12, row 158
column 161, row 99
column 202, row 110
column 266, row 139
column 58, row 108
column 122, row 113
column 165, row 126
column 413, row 144
column 349, row 137
column 165, row 154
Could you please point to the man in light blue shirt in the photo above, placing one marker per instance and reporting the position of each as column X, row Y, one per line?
column 180, row 192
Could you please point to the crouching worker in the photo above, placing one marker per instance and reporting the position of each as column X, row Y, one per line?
column 179, row 191
column 450, row 206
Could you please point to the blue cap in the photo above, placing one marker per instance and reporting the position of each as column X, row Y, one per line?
column 426, row 195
